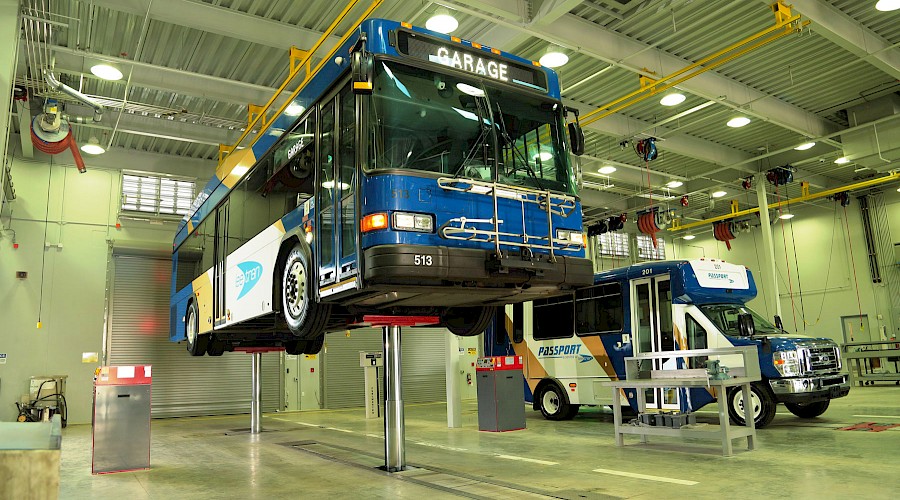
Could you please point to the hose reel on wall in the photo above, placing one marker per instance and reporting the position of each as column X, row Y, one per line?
column 51, row 134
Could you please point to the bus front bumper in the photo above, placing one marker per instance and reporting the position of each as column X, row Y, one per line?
column 810, row 389
column 474, row 269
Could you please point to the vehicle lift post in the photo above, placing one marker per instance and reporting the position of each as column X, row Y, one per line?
column 394, row 422
column 256, row 384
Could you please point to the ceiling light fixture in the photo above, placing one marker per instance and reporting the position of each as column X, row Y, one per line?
column 672, row 99
column 606, row 169
column 93, row 147
column 543, row 156
column 887, row 5
column 674, row 184
column 471, row 90
column 738, row 122
column 842, row 160
column 553, row 59
column 689, row 236
column 805, row 146
column 106, row 72
column 786, row 216
column 719, row 194
column 442, row 22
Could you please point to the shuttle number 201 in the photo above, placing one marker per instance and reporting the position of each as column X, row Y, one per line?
column 423, row 260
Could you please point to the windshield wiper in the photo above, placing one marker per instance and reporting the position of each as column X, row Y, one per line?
column 516, row 152
column 480, row 111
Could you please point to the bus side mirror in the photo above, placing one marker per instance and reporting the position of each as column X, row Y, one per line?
column 746, row 327
column 778, row 323
column 576, row 138
column 361, row 66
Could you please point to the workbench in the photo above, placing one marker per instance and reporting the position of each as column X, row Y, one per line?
column 725, row 431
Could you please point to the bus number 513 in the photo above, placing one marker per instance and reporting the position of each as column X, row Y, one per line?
column 423, row 260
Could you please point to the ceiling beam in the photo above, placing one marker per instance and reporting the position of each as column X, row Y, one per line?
column 850, row 35
column 222, row 21
column 620, row 50
column 153, row 76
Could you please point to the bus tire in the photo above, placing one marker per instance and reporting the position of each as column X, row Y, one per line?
column 216, row 347
column 808, row 410
column 554, row 403
column 196, row 343
column 763, row 405
column 305, row 317
column 298, row 347
column 467, row 321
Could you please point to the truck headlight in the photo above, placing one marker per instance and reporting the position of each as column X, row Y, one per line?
column 406, row 221
column 575, row 237
column 787, row 363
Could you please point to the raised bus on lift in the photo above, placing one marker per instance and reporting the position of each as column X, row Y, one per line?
column 571, row 344
column 422, row 175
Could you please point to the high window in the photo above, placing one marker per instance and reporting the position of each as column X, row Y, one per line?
column 647, row 251
column 156, row 195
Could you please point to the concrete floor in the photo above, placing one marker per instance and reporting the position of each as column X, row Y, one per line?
column 333, row 454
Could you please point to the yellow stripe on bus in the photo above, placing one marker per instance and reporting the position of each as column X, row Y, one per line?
column 235, row 166
column 202, row 286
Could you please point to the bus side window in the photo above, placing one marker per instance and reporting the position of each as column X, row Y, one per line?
column 553, row 318
column 206, row 235
column 696, row 339
column 599, row 309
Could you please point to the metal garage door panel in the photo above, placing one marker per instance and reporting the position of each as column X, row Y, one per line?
column 183, row 385
column 424, row 377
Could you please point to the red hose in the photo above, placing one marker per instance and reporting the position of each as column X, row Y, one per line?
column 55, row 148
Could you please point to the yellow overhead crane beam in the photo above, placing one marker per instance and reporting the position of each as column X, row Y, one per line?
column 806, row 196
column 299, row 60
column 785, row 24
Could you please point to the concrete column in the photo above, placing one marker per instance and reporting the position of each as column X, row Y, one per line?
column 394, row 428
column 9, row 35
column 256, row 397
column 768, row 281
column 454, row 399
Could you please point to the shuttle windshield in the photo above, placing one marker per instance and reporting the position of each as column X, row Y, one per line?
column 725, row 317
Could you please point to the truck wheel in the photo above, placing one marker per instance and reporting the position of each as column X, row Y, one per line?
column 196, row 343
column 467, row 321
column 554, row 403
column 763, row 406
column 305, row 317
column 808, row 410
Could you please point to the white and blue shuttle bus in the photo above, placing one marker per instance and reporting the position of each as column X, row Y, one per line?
column 414, row 174
column 572, row 343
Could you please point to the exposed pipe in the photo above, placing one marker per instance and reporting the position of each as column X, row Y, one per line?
column 65, row 89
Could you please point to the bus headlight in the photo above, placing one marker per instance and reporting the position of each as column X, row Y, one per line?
column 786, row 362
column 575, row 237
column 406, row 221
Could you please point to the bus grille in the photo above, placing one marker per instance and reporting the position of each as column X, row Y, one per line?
column 820, row 359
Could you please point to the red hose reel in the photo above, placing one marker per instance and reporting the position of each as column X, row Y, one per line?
column 54, row 143
column 724, row 231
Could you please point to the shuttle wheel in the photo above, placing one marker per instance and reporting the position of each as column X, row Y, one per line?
column 554, row 403
column 808, row 410
column 763, row 406
column 467, row 321
column 305, row 316
column 196, row 343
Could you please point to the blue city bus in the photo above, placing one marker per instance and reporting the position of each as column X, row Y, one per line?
column 572, row 344
column 414, row 174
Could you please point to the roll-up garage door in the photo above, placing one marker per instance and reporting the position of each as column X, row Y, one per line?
column 183, row 385
column 423, row 365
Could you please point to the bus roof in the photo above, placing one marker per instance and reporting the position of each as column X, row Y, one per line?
column 381, row 35
column 699, row 281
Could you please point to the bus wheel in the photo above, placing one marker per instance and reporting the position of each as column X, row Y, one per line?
column 763, row 406
column 305, row 317
column 216, row 347
column 554, row 403
column 467, row 321
column 196, row 343
column 808, row 410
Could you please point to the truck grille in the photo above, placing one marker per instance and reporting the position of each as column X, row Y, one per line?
column 820, row 358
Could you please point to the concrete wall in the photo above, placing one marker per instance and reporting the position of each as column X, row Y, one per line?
column 825, row 271
column 75, row 214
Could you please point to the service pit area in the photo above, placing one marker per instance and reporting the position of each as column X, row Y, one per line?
column 335, row 454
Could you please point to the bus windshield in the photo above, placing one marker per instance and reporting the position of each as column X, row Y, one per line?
column 725, row 317
column 434, row 122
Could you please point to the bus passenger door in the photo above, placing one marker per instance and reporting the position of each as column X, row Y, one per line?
column 652, row 316
column 221, row 251
column 325, row 235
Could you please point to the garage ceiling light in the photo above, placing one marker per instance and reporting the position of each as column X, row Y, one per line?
column 786, row 216
column 689, row 236
column 719, row 194
column 93, row 147
column 738, row 122
column 553, row 59
column 606, row 169
column 442, row 23
column 887, row 5
column 842, row 160
column 106, row 72
column 672, row 99
column 674, row 184
column 805, row 146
